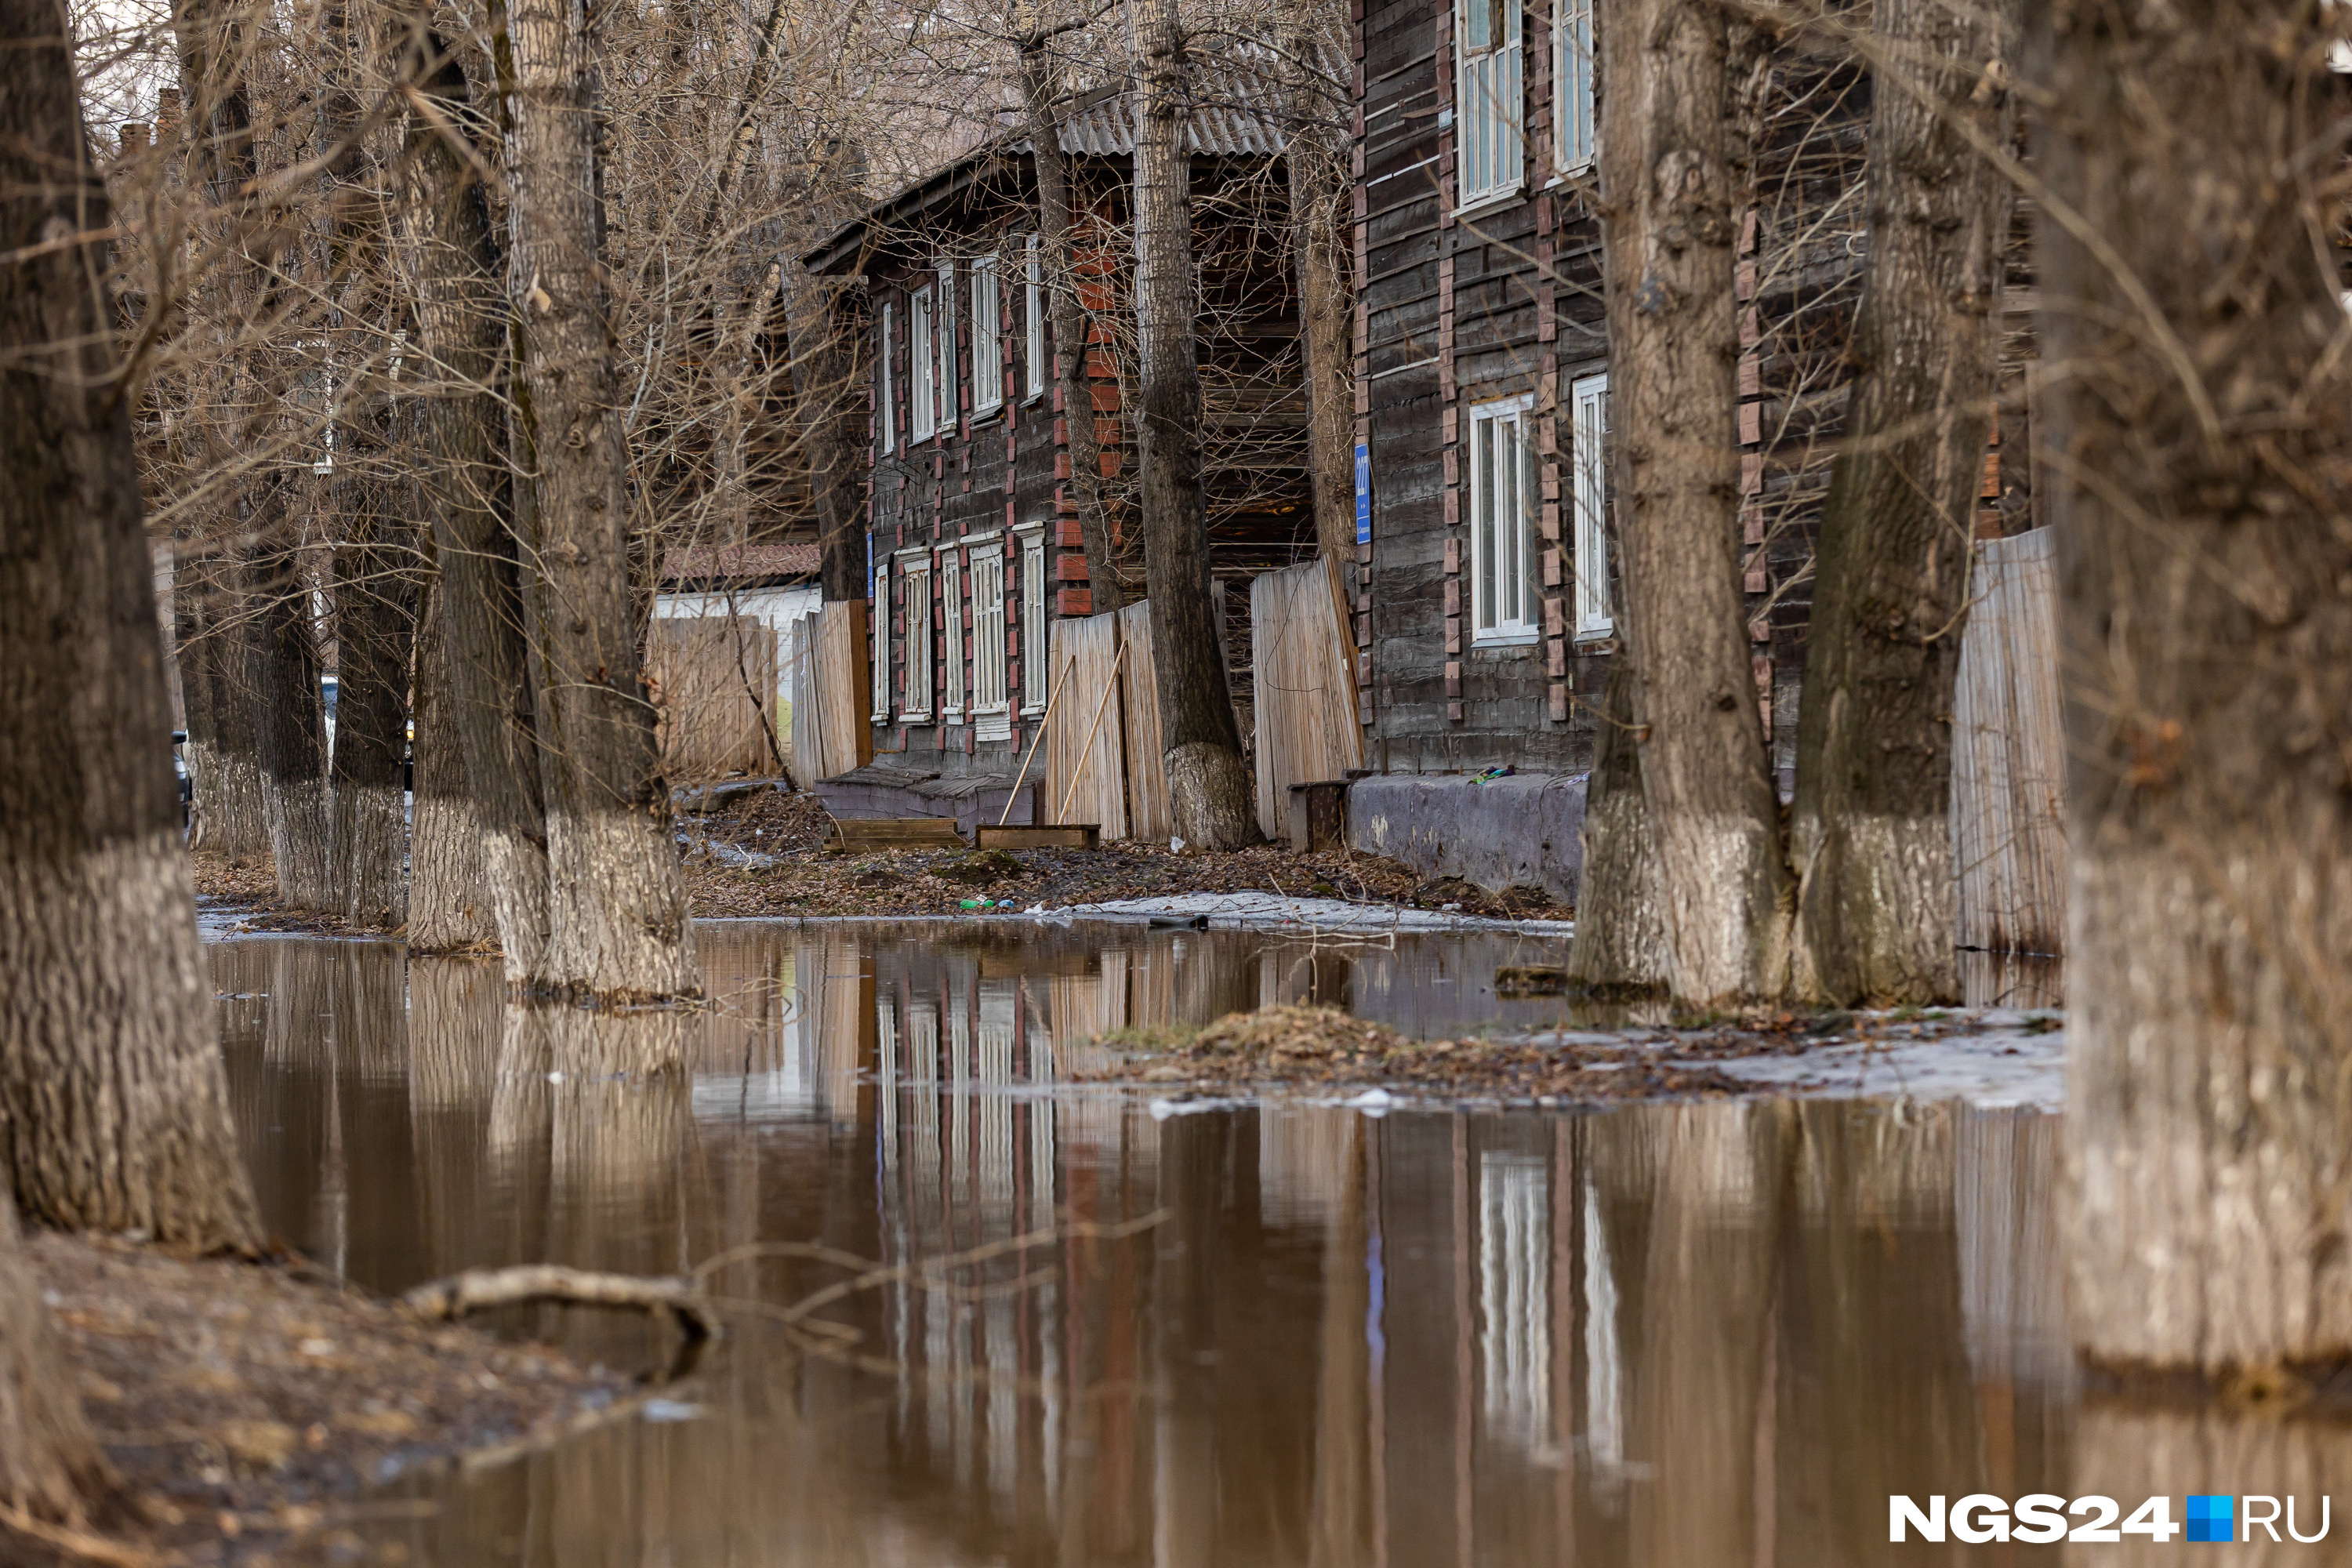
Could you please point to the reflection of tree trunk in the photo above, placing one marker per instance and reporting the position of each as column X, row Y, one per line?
column 50, row 1467
column 448, row 892
column 453, row 1056
column 2206, row 638
column 113, row 1106
column 2125, row 1453
column 1193, row 1151
column 1883, row 1302
column 1339, row 1521
column 1719, row 1181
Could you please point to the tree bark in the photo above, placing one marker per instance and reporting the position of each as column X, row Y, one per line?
column 292, row 720
column 1072, row 329
column 1871, row 837
column 463, row 322
column 375, row 636
column 828, row 384
column 113, row 1105
column 1315, row 161
column 50, row 1467
column 1620, row 948
column 617, row 897
column 1210, row 792
column 216, row 684
column 1714, row 809
column 448, row 891
column 2205, row 624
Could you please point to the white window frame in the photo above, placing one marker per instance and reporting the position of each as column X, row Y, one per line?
column 950, row 581
column 922, row 397
column 987, row 651
column 1037, row 317
column 1503, row 547
column 878, row 595
column 1490, row 102
column 889, row 420
column 1576, row 125
column 943, row 335
column 1589, row 409
column 987, row 337
column 915, row 599
column 1035, row 618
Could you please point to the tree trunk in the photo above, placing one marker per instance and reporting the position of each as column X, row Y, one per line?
column 448, row 891
column 1871, row 837
column 1619, row 949
column 828, row 384
column 461, row 318
column 51, row 1466
column 2205, row 624
column 293, row 726
column 617, row 897
column 1317, row 162
column 375, row 634
column 1072, row 329
column 1210, row 792
column 1714, row 809
column 113, row 1105
column 216, row 684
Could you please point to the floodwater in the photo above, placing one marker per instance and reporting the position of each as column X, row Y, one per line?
column 1068, row 1327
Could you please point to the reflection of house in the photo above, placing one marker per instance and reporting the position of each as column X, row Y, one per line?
column 718, row 648
column 975, row 531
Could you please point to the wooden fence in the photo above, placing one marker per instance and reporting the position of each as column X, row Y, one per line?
column 831, row 732
column 2009, row 754
column 706, row 669
column 1305, row 683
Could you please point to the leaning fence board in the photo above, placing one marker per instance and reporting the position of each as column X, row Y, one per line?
column 1148, row 814
column 1087, row 650
column 1304, row 686
column 831, row 735
column 2009, row 758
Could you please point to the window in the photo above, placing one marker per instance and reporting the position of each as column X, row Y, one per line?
column 944, row 335
column 1487, row 126
column 1571, row 76
column 1034, row 618
column 877, row 590
column 1588, row 401
column 1505, row 601
column 951, row 615
column 987, row 339
column 916, row 701
column 922, row 402
column 1036, row 320
column 882, row 376
column 988, row 630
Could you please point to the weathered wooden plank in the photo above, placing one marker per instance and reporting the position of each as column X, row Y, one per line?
column 1304, row 685
column 1150, row 812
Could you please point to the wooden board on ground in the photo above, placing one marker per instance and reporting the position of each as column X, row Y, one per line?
column 1046, row 836
column 1303, row 675
column 2008, row 756
column 894, row 832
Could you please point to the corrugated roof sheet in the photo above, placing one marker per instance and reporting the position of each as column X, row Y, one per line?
column 1235, row 114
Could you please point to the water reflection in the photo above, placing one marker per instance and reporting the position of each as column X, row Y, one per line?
column 1690, row 1334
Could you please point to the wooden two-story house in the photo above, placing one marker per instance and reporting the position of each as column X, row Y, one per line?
column 974, row 543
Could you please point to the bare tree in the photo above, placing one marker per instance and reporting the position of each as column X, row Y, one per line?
column 1871, row 837
column 1316, row 159
column 2198, row 432
column 50, row 1467
column 113, row 1104
column 448, row 887
column 1210, row 790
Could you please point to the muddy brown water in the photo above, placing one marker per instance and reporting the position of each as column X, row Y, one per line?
column 1690, row 1334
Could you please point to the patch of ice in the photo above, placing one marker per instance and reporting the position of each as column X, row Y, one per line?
column 660, row 1410
column 1372, row 1103
column 1274, row 911
column 2001, row 1067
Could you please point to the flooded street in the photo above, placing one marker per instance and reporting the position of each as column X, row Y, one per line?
column 983, row 1316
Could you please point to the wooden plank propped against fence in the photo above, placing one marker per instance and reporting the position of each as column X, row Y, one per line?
column 1148, row 813
column 1303, row 676
column 1085, row 654
column 2009, row 755
column 831, row 735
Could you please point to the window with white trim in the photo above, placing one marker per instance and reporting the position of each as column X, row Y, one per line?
column 951, row 619
column 889, row 420
column 943, row 335
column 1036, row 318
column 877, row 594
column 1033, row 619
column 1506, row 602
column 1589, row 407
column 1488, row 128
column 915, row 699
column 988, row 629
column 922, row 397
column 987, row 338
column 1574, row 122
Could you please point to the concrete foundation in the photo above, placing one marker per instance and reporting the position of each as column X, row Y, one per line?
column 1526, row 830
